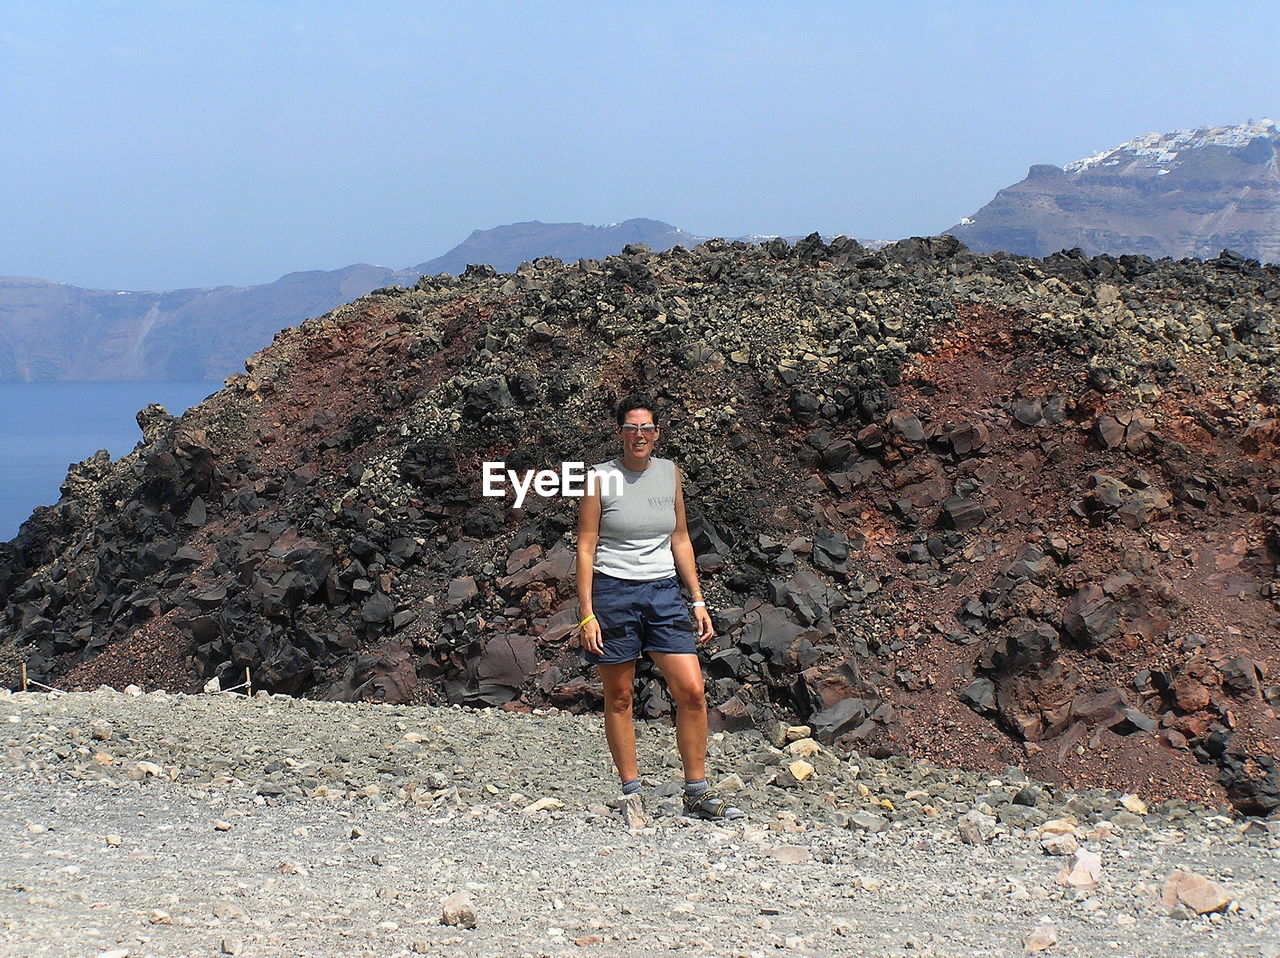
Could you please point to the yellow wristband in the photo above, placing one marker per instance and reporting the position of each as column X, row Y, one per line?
column 586, row 620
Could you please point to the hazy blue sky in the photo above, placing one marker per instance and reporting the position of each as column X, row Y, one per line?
column 150, row 145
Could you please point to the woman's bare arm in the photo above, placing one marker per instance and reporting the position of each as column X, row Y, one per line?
column 588, row 539
column 687, row 565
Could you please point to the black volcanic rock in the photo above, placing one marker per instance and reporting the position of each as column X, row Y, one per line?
column 1186, row 193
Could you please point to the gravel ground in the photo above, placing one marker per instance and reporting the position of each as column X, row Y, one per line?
column 202, row 825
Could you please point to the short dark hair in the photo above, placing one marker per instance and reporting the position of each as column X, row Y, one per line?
column 632, row 402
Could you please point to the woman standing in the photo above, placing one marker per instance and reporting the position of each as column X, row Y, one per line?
column 632, row 545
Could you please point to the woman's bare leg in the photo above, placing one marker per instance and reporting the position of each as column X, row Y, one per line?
column 683, row 674
column 619, row 726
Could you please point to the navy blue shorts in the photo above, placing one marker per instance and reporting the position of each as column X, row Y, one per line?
column 637, row 617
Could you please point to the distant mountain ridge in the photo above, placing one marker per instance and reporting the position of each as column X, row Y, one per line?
column 506, row 247
column 1187, row 193
column 53, row 331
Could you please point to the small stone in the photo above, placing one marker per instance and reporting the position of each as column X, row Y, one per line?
column 547, row 804
column 789, row 854
column 1195, row 892
column 1190, row 695
column 213, row 686
column 1123, row 819
column 796, row 732
column 962, row 514
column 220, row 825
column 980, row 695
column 804, row 747
column 160, row 917
column 1028, row 411
column 1044, row 936
column 114, row 953
column 1059, row 843
column 969, row 832
column 1083, row 871
column 1256, row 829
column 729, row 784
column 1028, row 795
column 232, row 946
column 113, row 841
column 976, row 828
column 1019, row 816
column 868, row 822
column 800, row 770
column 1132, row 803
column 132, row 690
column 1059, row 826
column 459, row 910
column 228, row 910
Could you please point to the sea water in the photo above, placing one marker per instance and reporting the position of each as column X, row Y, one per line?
column 45, row 427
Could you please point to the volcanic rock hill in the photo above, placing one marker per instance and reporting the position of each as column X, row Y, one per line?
column 983, row 510
column 1184, row 193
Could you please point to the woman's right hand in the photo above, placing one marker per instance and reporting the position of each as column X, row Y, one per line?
column 589, row 636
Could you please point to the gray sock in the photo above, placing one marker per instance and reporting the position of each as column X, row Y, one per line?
column 631, row 787
column 696, row 789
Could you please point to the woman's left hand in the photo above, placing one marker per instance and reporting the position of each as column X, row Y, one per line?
column 705, row 630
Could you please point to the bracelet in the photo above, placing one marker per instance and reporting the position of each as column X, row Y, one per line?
column 586, row 620
column 699, row 603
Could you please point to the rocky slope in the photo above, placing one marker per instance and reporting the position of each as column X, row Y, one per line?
column 979, row 510
column 54, row 331
column 1179, row 194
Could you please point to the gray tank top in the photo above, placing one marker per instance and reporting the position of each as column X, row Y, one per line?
column 636, row 526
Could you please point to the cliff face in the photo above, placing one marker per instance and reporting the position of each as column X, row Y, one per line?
column 1190, row 193
column 984, row 510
